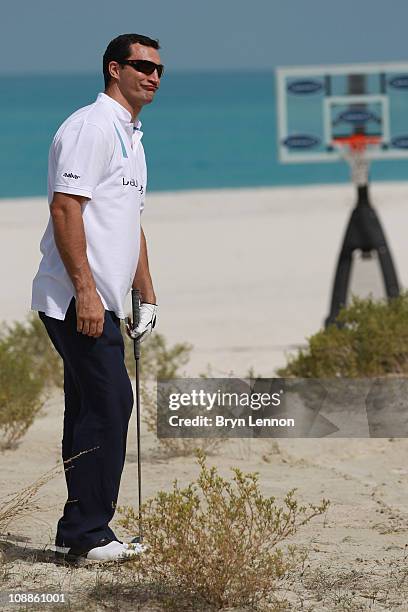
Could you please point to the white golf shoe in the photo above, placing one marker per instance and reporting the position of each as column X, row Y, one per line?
column 107, row 550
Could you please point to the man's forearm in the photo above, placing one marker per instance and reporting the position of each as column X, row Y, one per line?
column 70, row 239
column 142, row 279
column 69, row 235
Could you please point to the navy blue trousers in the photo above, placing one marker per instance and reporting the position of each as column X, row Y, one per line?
column 98, row 405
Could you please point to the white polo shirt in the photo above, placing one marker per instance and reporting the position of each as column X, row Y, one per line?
column 96, row 153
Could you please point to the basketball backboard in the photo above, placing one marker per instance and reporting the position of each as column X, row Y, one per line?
column 319, row 104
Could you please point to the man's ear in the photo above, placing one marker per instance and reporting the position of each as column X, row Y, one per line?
column 113, row 69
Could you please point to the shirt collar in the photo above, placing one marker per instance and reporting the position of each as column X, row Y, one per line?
column 120, row 111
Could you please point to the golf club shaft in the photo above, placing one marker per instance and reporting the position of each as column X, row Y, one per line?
column 139, row 462
column 136, row 350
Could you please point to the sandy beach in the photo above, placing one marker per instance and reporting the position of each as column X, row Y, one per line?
column 244, row 276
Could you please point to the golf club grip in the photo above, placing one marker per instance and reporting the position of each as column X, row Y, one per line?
column 136, row 319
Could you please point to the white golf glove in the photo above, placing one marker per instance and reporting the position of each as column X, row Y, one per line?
column 147, row 321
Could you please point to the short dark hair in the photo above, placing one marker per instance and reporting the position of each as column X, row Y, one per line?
column 119, row 49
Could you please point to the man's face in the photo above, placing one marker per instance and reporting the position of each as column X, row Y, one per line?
column 139, row 88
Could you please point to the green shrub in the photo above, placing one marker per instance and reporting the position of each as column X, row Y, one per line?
column 21, row 395
column 29, row 365
column 30, row 340
column 218, row 539
column 371, row 340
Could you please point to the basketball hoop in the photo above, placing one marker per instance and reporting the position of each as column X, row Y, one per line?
column 353, row 150
column 357, row 115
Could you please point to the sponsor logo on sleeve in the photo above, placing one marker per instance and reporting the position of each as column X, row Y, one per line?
column 71, row 175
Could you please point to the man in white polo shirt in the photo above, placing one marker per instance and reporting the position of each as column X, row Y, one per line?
column 94, row 250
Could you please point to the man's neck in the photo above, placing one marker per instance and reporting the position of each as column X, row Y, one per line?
column 119, row 97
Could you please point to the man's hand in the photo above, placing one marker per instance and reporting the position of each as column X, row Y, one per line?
column 147, row 322
column 90, row 313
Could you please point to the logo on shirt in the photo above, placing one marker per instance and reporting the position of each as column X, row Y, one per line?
column 70, row 175
column 132, row 183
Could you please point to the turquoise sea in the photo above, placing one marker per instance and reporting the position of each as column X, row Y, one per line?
column 204, row 130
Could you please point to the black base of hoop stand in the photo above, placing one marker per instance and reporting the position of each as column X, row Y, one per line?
column 364, row 232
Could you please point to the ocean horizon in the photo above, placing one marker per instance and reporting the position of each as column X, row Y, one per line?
column 203, row 131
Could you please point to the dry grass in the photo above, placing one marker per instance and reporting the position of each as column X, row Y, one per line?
column 23, row 503
column 379, row 588
column 382, row 587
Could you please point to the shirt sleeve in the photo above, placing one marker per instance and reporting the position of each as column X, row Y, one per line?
column 81, row 158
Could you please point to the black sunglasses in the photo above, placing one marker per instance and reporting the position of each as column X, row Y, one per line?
column 145, row 66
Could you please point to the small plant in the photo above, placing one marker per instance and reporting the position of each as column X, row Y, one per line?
column 29, row 365
column 371, row 339
column 21, row 396
column 30, row 340
column 218, row 539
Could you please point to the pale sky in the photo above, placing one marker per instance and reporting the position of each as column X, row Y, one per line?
column 47, row 36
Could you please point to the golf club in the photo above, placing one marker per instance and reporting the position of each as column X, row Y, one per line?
column 136, row 351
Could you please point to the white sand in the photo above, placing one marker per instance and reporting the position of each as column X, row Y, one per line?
column 244, row 276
